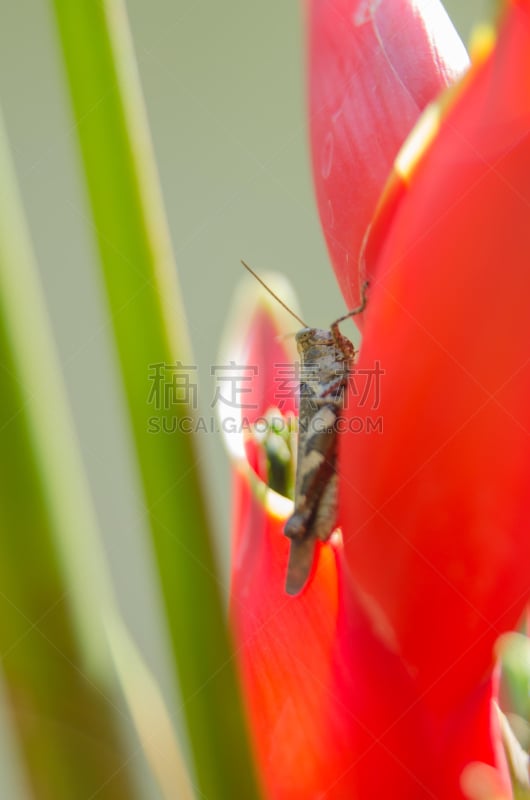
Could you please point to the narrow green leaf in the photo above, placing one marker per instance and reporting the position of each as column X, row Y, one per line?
column 50, row 631
column 151, row 717
column 149, row 327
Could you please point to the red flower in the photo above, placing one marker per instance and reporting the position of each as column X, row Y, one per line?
column 441, row 497
column 376, row 681
column 332, row 710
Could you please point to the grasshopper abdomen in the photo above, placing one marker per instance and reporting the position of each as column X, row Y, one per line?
column 326, row 359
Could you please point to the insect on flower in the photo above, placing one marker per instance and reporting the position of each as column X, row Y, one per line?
column 326, row 362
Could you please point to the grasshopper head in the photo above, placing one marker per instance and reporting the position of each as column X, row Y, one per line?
column 314, row 344
column 310, row 337
column 323, row 347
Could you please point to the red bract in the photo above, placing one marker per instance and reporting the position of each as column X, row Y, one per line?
column 332, row 710
column 373, row 66
column 437, row 508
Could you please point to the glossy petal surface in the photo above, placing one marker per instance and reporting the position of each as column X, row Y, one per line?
column 373, row 66
column 437, row 508
column 334, row 712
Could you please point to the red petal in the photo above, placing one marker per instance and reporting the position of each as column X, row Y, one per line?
column 373, row 67
column 333, row 713
column 275, row 634
column 437, row 507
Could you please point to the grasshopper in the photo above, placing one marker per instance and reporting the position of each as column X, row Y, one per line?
column 326, row 361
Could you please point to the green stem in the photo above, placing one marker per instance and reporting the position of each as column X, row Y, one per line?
column 149, row 327
column 51, row 637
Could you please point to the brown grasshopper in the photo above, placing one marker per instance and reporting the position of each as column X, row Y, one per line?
column 326, row 361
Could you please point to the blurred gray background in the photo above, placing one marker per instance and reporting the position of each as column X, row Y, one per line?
column 225, row 94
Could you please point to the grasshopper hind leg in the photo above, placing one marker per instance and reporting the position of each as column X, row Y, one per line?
column 303, row 544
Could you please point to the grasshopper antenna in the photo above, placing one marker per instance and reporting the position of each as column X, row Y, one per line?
column 360, row 308
column 286, row 307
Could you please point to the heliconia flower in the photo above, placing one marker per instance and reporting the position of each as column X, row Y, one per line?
column 332, row 709
column 436, row 508
column 376, row 681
